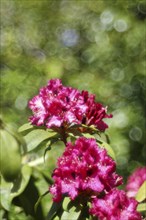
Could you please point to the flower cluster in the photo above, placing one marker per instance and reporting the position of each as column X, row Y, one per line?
column 84, row 171
column 57, row 105
column 135, row 181
column 115, row 206
column 84, row 167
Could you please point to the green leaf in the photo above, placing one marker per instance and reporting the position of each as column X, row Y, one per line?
column 11, row 190
column 56, row 218
column 72, row 214
column 39, row 200
column 87, row 135
column 68, row 215
column 71, row 209
column 25, row 127
column 53, row 210
column 91, row 129
column 35, row 137
column 109, row 149
column 66, row 203
column 52, row 140
column 141, row 194
column 10, row 159
column 141, row 207
column 9, row 128
column 74, row 133
column 47, row 177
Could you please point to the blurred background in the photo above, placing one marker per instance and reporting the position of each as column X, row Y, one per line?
column 97, row 46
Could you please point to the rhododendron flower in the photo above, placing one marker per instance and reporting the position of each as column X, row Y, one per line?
column 57, row 105
column 84, row 168
column 95, row 112
column 135, row 181
column 115, row 205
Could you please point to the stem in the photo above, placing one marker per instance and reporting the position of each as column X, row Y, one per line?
column 63, row 135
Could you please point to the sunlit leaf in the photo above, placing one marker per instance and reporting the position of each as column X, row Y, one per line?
column 53, row 210
column 53, row 140
column 72, row 214
column 141, row 207
column 39, row 199
column 25, row 127
column 141, row 194
column 35, row 137
column 91, row 128
column 71, row 208
column 109, row 149
column 56, row 218
column 12, row 190
column 47, row 177
column 9, row 128
column 87, row 135
column 65, row 203
column 10, row 159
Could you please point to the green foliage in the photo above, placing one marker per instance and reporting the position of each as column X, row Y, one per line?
column 10, row 167
column 35, row 137
column 141, row 207
column 109, row 149
column 11, row 190
column 25, row 127
column 10, row 160
column 141, row 194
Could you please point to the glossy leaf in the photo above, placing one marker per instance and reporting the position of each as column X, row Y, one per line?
column 141, row 207
column 66, row 203
column 53, row 140
column 10, row 158
column 25, row 127
column 87, row 135
column 141, row 194
column 11, row 130
column 39, row 200
column 12, row 190
column 68, row 215
column 91, row 129
column 56, row 218
column 71, row 208
column 109, row 149
column 53, row 210
column 35, row 137
column 47, row 177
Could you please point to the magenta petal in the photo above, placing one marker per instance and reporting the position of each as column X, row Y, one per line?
column 115, row 205
column 68, row 104
column 135, row 181
column 54, row 121
column 77, row 173
column 70, row 189
column 94, row 184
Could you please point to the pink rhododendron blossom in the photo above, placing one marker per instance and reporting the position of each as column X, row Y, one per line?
column 57, row 105
column 95, row 112
column 84, row 168
column 115, row 205
column 135, row 181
